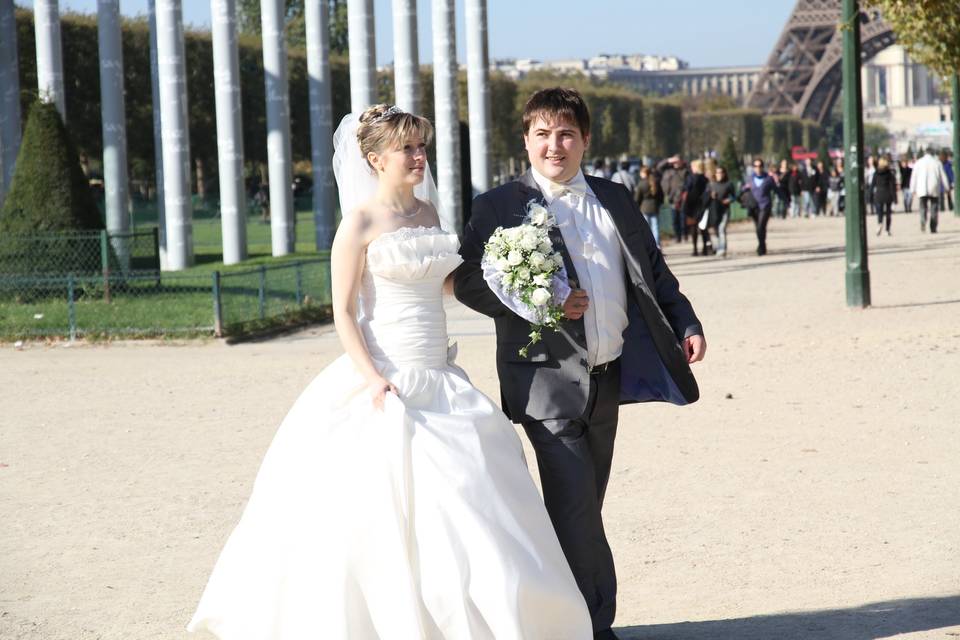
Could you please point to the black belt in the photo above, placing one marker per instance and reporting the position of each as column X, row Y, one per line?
column 600, row 368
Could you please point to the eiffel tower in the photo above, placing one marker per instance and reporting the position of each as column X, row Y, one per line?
column 802, row 76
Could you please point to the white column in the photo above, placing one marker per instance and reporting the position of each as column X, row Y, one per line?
column 226, row 82
column 908, row 72
column 157, row 132
column 46, row 16
column 113, row 116
column 363, row 54
column 175, row 134
column 9, row 96
column 321, row 120
column 446, row 94
column 878, row 92
column 279, row 162
column 478, row 94
column 406, row 56
column 923, row 79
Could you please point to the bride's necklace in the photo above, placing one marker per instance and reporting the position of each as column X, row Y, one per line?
column 408, row 216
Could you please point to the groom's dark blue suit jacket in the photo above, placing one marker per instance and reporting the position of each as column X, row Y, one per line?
column 552, row 381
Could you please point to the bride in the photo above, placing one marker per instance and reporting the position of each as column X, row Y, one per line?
column 394, row 501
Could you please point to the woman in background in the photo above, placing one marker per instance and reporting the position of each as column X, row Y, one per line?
column 650, row 198
column 694, row 201
column 884, row 193
column 721, row 193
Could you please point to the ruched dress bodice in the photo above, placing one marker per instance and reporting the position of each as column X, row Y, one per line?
column 401, row 296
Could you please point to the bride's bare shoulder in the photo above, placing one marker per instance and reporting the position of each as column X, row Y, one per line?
column 362, row 224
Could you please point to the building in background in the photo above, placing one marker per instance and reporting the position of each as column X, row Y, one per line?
column 906, row 98
column 654, row 74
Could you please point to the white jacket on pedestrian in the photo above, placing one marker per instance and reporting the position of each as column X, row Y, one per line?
column 928, row 178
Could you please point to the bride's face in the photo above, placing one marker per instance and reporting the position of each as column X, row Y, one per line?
column 404, row 165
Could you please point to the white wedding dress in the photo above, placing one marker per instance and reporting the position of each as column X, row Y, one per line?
column 420, row 521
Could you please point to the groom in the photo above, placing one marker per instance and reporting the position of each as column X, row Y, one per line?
column 628, row 335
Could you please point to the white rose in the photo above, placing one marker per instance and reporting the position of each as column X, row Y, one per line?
column 523, row 274
column 558, row 259
column 538, row 214
column 529, row 241
column 540, row 296
column 545, row 248
column 514, row 258
column 536, row 259
column 502, row 265
column 541, row 280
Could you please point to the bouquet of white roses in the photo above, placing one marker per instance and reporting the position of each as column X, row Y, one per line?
column 522, row 268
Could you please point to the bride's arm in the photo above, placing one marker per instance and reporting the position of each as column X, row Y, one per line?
column 346, row 267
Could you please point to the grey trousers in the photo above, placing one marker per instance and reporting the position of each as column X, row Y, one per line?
column 933, row 204
column 574, row 457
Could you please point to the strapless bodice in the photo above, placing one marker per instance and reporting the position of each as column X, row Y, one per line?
column 401, row 296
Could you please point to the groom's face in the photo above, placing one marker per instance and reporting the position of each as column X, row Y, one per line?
column 555, row 148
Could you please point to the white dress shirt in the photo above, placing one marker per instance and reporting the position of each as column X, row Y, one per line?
column 591, row 239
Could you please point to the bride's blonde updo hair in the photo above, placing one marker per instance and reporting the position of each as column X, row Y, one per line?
column 384, row 127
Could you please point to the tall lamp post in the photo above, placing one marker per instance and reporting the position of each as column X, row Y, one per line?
column 858, row 274
column 956, row 140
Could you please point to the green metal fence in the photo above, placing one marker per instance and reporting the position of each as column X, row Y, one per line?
column 247, row 300
column 79, row 252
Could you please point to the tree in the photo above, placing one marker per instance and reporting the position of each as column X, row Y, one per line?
column 49, row 191
column 730, row 160
column 823, row 152
column 929, row 29
column 876, row 137
column 248, row 20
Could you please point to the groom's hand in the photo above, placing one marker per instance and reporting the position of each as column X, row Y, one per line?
column 576, row 304
column 695, row 347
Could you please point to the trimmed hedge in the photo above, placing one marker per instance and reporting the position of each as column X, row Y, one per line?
column 663, row 128
column 49, row 191
column 710, row 130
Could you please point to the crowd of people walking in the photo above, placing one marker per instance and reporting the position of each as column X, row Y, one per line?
column 697, row 196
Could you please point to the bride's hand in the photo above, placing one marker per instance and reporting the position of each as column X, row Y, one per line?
column 379, row 387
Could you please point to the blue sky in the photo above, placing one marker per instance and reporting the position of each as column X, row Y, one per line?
column 703, row 32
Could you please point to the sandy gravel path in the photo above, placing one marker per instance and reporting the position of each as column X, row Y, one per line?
column 814, row 491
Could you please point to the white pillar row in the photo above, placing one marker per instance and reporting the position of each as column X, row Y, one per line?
column 321, row 120
column 9, row 96
column 114, row 119
column 46, row 16
column 157, row 131
column 175, row 136
column 226, row 82
column 446, row 107
column 363, row 55
column 478, row 94
column 279, row 157
column 406, row 56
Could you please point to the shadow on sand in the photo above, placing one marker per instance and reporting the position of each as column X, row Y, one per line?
column 877, row 620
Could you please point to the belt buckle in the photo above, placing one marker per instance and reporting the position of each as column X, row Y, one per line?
column 599, row 368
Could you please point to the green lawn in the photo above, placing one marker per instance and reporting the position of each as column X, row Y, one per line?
column 179, row 304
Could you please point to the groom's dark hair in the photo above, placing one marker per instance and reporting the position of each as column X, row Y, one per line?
column 557, row 103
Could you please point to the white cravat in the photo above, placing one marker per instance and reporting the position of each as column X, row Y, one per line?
column 591, row 239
